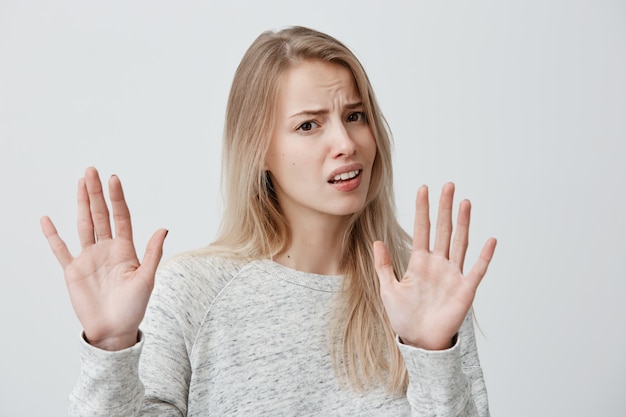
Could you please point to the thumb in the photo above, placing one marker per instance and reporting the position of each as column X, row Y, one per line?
column 154, row 252
column 384, row 267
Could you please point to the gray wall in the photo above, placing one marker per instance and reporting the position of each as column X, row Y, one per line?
column 522, row 104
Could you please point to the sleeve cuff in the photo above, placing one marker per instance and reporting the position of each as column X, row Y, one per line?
column 438, row 374
column 108, row 377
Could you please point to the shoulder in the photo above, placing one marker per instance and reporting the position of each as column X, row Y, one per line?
column 189, row 283
column 200, row 266
column 197, row 272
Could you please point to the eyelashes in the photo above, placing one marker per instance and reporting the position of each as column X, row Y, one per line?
column 307, row 126
column 357, row 116
column 352, row 117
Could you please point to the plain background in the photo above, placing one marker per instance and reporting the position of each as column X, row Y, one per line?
column 521, row 103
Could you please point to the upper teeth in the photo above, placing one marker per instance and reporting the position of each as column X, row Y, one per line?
column 346, row 175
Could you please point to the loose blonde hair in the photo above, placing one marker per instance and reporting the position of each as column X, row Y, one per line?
column 363, row 348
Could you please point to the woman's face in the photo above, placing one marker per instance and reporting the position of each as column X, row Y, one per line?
column 322, row 149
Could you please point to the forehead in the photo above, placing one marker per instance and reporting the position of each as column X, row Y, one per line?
column 316, row 83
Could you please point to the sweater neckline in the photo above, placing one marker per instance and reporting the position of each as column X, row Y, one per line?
column 329, row 283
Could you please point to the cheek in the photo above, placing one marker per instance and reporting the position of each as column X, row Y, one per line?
column 369, row 147
column 285, row 162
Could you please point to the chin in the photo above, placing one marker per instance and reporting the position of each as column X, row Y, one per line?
column 349, row 208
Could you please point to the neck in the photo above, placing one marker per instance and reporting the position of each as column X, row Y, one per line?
column 315, row 247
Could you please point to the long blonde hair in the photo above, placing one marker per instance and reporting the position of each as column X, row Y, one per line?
column 362, row 342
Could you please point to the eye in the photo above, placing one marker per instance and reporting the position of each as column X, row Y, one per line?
column 357, row 116
column 307, row 126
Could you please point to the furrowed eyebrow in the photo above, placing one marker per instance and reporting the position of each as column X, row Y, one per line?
column 353, row 106
column 309, row 113
column 350, row 106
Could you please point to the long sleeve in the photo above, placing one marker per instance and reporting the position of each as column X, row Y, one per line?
column 109, row 384
column 448, row 382
column 153, row 377
column 222, row 338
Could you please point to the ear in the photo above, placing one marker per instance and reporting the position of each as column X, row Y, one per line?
column 266, row 165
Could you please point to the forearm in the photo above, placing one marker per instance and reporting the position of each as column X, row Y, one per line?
column 108, row 384
column 447, row 382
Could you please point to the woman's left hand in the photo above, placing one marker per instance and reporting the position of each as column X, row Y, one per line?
column 428, row 305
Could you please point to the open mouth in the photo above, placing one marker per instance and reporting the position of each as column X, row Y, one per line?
column 345, row 176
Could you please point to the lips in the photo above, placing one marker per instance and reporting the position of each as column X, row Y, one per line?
column 345, row 176
column 345, row 173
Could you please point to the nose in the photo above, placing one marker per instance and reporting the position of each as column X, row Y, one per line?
column 342, row 143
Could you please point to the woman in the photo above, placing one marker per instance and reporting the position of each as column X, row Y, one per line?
column 298, row 307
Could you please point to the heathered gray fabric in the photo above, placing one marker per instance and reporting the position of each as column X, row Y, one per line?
column 223, row 338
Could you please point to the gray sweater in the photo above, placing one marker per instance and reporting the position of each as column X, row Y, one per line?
column 222, row 338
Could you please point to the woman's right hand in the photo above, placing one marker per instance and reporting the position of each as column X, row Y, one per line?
column 108, row 287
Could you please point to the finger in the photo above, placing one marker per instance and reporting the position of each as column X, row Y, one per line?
column 421, row 223
column 384, row 267
column 154, row 252
column 444, row 221
column 461, row 235
column 480, row 267
column 59, row 248
column 84, row 223
column 121, row 214
column 99, row 209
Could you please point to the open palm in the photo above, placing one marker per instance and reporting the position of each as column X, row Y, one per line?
column 428, row 305
column 108, row 287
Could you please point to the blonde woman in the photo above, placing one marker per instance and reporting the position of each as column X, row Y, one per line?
column 312, row 300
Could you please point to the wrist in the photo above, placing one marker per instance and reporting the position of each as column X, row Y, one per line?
column 430, row 345
column 113, row 343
